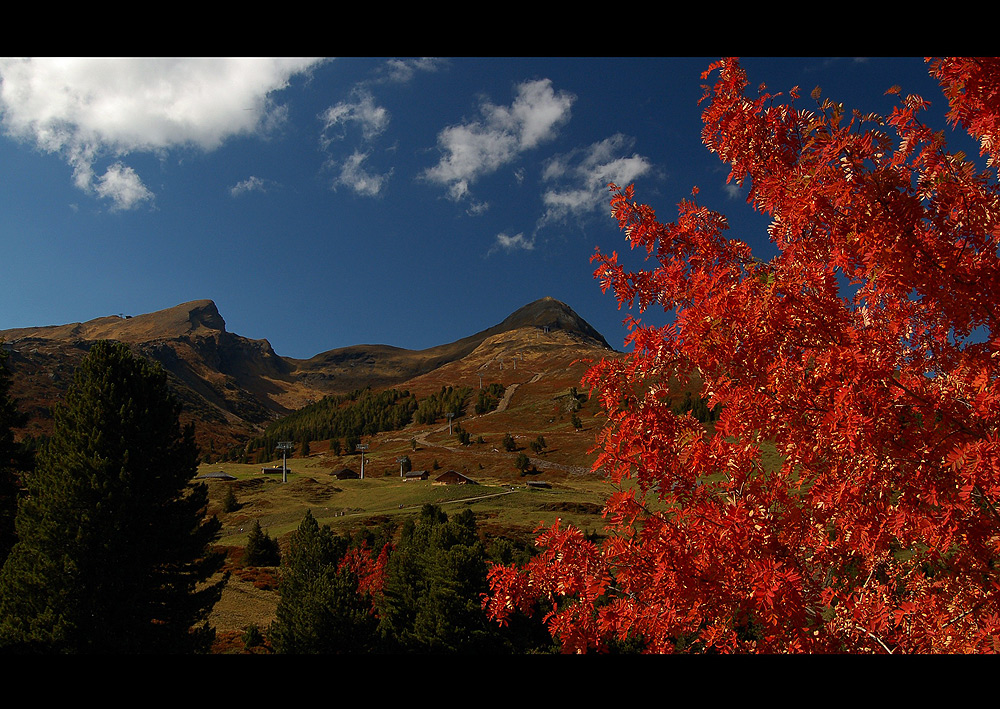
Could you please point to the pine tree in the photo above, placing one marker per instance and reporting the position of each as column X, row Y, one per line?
column 431, row 601
column 112, row 541
column 229, row 502
column 321, row 610
column 261, row 549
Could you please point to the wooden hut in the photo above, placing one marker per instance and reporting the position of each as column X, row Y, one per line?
column 453, row 477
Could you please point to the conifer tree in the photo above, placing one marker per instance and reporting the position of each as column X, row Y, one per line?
column 112, row 543
column 261, row 548
column 321, row 610
column 435, row 580
column 229, row 502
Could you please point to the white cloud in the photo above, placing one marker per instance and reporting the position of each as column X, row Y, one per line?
column 480, row 147
column 518, row 242
column 403, row 70
column 353, row 176
column 476, row 208
column 372, row 120
column 363, row 112
column 581, row 177
column 251, row 184
column 733, row 190
column 123, row 187
column 90, row 109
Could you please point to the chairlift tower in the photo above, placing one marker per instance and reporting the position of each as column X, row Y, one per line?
column 284, row 447
column 450, row 416
column 401, row 459
column 362, row 447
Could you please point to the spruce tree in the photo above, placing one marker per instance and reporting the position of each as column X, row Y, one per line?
column 321, row 610
column 431, row 602
column 112, row 542
column 261, row 548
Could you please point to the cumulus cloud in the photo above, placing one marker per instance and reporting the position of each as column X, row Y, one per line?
column 93, row 109
column 471, row 150
column 580, row 179
column 123, row 187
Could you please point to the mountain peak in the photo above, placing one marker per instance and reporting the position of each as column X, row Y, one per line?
column 203, row 313
column 551, row 314
column 184, row 319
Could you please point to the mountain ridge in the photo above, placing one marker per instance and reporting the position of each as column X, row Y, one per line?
column 231, row 386
column 184, row 319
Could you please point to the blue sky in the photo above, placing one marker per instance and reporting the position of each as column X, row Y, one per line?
column 330, row 202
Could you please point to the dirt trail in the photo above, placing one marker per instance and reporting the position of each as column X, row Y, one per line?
column 508, row 393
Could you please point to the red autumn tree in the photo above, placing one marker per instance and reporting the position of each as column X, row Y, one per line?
column 369, row 567
column 847, row 499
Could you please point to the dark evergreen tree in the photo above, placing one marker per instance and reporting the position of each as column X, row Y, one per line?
column 321, row 610
column 229, row 502
column 14, row 459
column 431, row 599
column 261, row 549
column 112, row 552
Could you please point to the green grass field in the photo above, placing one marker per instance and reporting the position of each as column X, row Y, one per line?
column 345, row 504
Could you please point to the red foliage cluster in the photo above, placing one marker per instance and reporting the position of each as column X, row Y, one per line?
column 864, row 357
column 370, row 568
